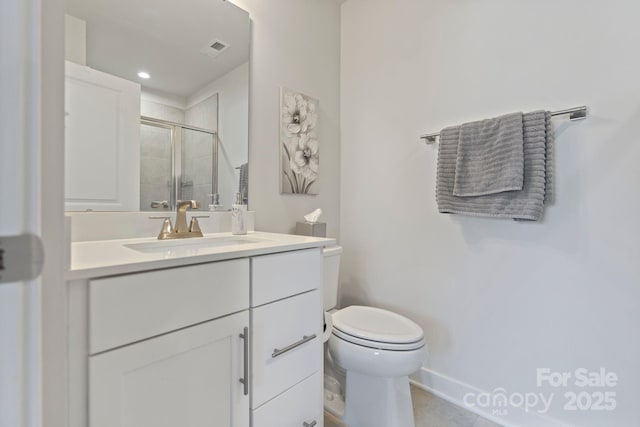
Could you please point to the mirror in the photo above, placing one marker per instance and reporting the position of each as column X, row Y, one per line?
column 156, row 104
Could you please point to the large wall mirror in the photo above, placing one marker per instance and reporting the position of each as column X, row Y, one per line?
column 156, row 104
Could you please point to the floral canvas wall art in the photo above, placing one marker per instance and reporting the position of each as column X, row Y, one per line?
column 298, row 143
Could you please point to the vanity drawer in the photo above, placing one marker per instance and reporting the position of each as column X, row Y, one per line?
column 130, row 308
column 281, row 275
column 286, row 324
column 296, row 406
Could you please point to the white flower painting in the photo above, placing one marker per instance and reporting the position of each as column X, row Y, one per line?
column 299, row 143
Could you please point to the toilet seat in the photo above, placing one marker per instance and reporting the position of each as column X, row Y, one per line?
column 379, row 345
column 377, row 328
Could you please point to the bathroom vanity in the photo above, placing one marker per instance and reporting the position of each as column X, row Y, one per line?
column 222, row 331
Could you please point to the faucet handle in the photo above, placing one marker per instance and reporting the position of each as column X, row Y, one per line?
column 167, row 227
column 193, row 204
column 194, row 226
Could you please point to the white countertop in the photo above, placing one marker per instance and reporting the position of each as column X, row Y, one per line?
column 113, row 257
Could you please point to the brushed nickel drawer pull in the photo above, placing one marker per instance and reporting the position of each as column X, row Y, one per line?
column 311, row 424
column 279, row 352
column 245, row 380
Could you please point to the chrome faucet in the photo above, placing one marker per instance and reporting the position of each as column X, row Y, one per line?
column 181, row 231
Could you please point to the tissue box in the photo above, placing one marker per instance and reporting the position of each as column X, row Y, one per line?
column 315, row 229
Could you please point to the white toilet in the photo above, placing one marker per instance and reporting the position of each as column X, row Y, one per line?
column 377, row 349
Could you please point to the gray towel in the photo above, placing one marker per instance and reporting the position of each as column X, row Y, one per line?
column 527, row 203
column 490, row 157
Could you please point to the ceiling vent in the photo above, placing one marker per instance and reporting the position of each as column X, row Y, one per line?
column 215, row 48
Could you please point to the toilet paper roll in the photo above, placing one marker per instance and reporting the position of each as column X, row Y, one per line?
column 328, row 325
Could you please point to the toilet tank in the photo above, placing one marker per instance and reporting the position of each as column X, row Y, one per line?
column 330, row 273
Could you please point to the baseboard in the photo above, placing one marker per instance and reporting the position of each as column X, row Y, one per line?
column 454, row 391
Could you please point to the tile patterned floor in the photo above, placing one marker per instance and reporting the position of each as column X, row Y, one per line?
column 431, row 411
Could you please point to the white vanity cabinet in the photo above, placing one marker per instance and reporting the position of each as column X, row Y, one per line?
column 156, row 357
column 225, row 343
column 287, row 323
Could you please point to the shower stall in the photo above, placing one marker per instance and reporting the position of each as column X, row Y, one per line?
column 177, row 162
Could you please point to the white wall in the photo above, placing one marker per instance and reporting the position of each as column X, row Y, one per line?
column 75, row 39
column 149, row 96
column 294, row 44
column 497, row 299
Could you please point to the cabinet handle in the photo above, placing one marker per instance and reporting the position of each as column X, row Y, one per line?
column 279, row 352
column 311, row 424
column 245, row 380
column 160, row 204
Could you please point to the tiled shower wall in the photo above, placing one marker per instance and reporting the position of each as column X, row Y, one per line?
column 197, row 153
column 155, row 153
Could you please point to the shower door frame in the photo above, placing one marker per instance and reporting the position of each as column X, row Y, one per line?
column 176, row 155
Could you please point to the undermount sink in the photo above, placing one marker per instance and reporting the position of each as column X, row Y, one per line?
column 182, row 245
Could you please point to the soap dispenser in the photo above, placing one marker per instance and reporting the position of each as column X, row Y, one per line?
column 238, row 216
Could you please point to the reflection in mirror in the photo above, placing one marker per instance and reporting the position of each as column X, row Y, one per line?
column 177, row 162
column 156, row 164
column 156, row 104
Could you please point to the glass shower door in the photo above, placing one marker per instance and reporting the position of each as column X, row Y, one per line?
column 156, row 165
column 177, row 162
column 198, row 166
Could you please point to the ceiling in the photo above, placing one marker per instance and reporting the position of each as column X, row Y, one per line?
column 163, row 38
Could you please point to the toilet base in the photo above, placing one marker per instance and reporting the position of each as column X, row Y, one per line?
column 378, row 401
column 333, row 396
column 334, row 404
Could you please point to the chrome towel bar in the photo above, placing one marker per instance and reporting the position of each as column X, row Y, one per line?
column 576, row 113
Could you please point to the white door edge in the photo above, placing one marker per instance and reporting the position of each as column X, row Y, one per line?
column 32, row 39
column 20, row 334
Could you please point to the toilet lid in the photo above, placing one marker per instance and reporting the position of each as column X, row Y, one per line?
column 376, row 324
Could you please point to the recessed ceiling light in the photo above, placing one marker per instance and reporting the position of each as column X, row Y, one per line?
column 143, row 75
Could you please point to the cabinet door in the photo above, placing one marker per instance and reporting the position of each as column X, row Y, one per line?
column 188, row 378
column 102, row 141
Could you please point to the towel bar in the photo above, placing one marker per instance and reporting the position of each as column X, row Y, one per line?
column 576, row 113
